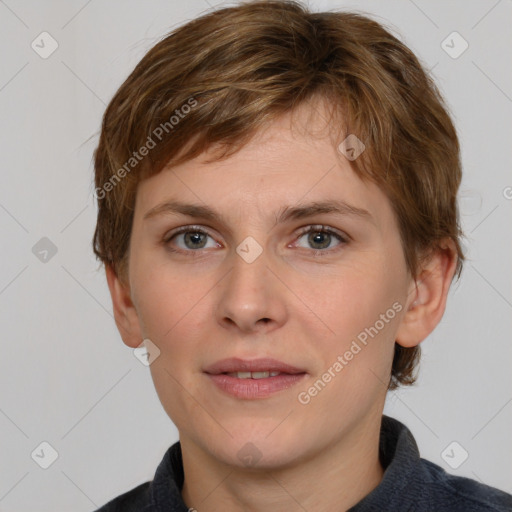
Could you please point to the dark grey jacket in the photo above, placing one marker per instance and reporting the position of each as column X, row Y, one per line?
column 410, row 484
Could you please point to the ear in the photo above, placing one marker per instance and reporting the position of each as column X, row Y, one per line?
column 125, row 315
column 427, row 296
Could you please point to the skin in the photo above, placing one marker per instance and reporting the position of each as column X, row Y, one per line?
column 290, row 304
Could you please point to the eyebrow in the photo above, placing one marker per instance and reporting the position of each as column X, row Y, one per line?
column 287, row 213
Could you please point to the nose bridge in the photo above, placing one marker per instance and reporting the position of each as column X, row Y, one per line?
column 249, row 273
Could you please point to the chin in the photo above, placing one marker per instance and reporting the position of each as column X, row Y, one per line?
column 256, row 449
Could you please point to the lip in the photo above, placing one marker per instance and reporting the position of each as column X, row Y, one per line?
column 235, row 364
column 249, row 389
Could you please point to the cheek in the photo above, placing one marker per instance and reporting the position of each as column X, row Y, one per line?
column 168, row 300
column 355, row 361
column 352, row 300
column 173, row 318
column 362, row 308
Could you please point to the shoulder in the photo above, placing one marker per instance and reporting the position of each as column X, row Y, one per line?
column 161, row 493
column 411, row 483
column 456, row 493
column 136, row 500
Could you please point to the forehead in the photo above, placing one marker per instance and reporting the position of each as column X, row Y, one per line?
column 292, row 160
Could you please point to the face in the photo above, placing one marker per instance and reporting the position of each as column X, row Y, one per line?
column 266, row 284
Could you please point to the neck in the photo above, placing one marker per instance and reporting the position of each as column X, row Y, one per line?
column 335, row 478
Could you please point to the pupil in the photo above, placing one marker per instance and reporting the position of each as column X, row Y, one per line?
column 314, row 239
column 194, row 238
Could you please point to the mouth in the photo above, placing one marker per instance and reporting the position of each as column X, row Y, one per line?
column 253, row 379
column 253, row 375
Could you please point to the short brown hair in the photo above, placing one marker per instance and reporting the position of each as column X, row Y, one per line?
column 220, row 77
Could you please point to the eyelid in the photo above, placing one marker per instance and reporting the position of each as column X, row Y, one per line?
column 184, row 229
column 328, row 229
column 305, row 229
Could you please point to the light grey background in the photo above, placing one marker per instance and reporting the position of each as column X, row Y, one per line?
column 66, row 377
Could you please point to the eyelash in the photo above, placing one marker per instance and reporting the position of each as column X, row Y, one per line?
column 309, row 229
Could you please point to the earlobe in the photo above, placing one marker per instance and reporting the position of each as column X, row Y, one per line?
column 125, row 315
column 427, row 298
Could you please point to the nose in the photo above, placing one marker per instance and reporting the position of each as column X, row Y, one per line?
column 251, row 298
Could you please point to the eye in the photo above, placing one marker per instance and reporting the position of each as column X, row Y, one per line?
column 194, row 238
column 189, row 238
column 320, row 238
